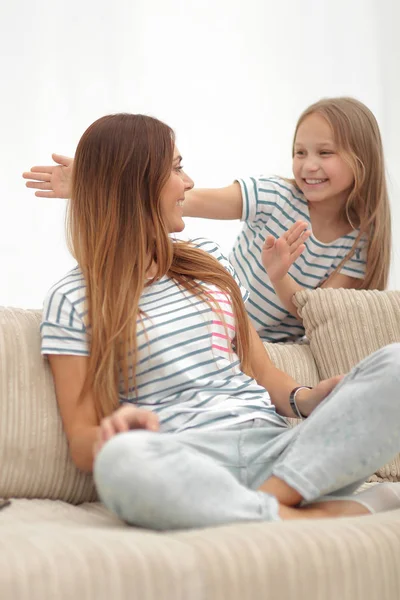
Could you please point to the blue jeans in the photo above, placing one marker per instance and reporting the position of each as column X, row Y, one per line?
column 202, row 478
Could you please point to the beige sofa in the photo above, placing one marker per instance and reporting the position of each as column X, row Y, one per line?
column 58, row 543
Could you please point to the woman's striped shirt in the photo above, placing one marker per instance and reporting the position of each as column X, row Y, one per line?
column 187, row 371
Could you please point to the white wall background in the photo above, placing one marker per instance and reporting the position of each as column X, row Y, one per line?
column 230, row 76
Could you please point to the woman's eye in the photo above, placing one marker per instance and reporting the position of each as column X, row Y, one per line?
column 299, row 153
column 178, row 169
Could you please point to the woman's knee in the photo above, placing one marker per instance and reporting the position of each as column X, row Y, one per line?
column 388, row 359
column 384, row 361
column 121, row 458
column 129, row 450
column 124, row 473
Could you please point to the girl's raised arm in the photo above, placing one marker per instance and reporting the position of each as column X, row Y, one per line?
column 53, row 181
column 220, row 203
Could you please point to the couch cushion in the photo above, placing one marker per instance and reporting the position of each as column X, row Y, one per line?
column 296, row 360
column 34, row 457
column 345, row 326
column 51, row 550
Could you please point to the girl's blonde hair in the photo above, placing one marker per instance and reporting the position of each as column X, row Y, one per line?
column 115, row 231
column 359, row 142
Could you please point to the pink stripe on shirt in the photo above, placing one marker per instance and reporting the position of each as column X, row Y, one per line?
column 224, row 325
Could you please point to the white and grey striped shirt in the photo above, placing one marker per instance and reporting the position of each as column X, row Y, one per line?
column 270, row 206
column 187, row 371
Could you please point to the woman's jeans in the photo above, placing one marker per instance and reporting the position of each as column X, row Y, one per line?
column 200, row 478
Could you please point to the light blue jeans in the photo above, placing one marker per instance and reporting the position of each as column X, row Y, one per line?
column 202, row 478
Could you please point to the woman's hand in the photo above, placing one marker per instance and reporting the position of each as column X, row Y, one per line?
column 278, row 255
column 307, row 400
column 125, row 418
column 55, row 181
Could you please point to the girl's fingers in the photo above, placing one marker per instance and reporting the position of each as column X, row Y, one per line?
column 293, row 228
column 36, row 176
column 45, row 195
column 300, row 241
column 298, row 252
column 60, row 159
column 39, row 185
column 45, row 169
column 296, row 232
column 269, row 242
column 64, row 161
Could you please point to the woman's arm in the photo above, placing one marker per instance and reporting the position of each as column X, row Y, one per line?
column 84, row 432
column 221, row 203
column 276, row 382
column 80, row 421
column 279, row 384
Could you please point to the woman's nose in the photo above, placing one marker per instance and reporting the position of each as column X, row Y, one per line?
column 189, row 183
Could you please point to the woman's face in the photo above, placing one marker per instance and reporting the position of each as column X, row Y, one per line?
column 173, row 195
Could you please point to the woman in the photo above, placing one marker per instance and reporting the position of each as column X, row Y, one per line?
column 159, row 326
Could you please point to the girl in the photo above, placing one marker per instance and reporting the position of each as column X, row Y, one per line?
column 159, row 326
column 338, row 191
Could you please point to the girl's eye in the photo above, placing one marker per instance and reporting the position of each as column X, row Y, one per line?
column 299, row 153
column 326, row 152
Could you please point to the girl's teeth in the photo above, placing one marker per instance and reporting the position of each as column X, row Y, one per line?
column 314, row 181
column 180, row 203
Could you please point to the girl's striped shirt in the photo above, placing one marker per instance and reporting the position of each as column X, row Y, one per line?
column 270, row 206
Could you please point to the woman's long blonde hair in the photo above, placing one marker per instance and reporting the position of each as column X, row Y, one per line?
column 115, row 230
column 359, row 142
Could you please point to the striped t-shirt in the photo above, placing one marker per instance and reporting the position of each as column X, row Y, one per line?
column 187, row 371
column 270, row 206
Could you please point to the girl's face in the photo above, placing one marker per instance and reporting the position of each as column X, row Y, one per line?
column 173, row 195
column 320, row 172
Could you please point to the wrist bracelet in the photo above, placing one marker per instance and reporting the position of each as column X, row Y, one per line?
column 292, row 400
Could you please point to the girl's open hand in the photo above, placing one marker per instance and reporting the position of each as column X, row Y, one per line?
column 125, row 418
column 278, row 255
column 54, row 181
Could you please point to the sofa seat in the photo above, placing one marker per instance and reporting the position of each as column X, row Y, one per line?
column 51, row 550
column 58, row 543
